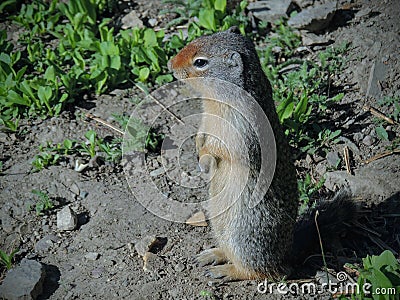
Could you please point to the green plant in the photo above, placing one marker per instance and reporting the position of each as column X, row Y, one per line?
column 85, row 56
column 44, row 159
column 209, row 15
column 284, row 38
column 383, row 274
column 307, row 188
column 381, row 133
column 52, row 153
column 140, row 137
column 391, row 104
column 301, row 88
column 112, row 149
column 6, row 259
column 185, row 9
column 213, row 16
column 44, row 202
column 206, row 294
column 90, row 146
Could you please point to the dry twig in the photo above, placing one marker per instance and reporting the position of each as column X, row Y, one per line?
column 161, row 105
column 90, row 116
column 382, row 155
column 378, row 114
column 347, row 159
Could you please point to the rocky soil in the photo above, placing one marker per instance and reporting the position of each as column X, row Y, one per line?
column 100, row 242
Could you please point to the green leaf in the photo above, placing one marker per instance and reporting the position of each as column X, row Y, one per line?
column 50, row 74
column 382, row 133
column 115, row 62
column 161, row 79
column 15, row 98
column 26, row 89
column 243, row 5
column 6, row 3
column 68, row 144
column 91, row 136
column 4, row 57
column 150, row 38
column 20, row 73
column 220, row 5
column 44, row 93
column 207, row 19
column 301, row 107
column 285, row 108
column 144, row 74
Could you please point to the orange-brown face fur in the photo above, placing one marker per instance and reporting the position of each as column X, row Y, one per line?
column 182, row 63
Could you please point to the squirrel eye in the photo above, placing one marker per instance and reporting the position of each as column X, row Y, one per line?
column 200, row 62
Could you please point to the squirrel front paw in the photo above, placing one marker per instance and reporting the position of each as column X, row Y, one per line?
column 207, row 164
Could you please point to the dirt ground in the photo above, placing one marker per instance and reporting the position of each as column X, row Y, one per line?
column 99, row 259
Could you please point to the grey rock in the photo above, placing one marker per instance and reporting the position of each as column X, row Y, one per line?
column 97, row 272
column 131, row 20
column 67, row 219
column 321, row 168
column 333, row 159
column 377, row 74
column 311, row 39
column 144, row 245
column 303, row 3
column 363, row 13
column 152, row 22
column 358, row 136
column 323, row 277
column 270, row 10
column 83, row 194
column 92, row 256
column 8, row 223
column 157, row 172
column 179, row 267
column 368, row 140
column 74, row 188
column 24, row 281
column 315, row 18
column 3, row 137
column 379, row 179
column 45, row 244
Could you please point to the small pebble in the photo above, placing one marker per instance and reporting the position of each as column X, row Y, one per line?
column 152, row 22
column 179, row 267
column 92, row 256
column 66, row 219
column 358, row 136
column 368, row 140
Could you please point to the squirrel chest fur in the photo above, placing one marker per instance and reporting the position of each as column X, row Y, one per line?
column 253, row 242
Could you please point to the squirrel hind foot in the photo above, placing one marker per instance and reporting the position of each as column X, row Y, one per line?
column 213, row 256
column 222, row 268
column 231, row 272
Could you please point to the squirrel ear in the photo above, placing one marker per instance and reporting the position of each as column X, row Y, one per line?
column 233, row 59
column 234, row 29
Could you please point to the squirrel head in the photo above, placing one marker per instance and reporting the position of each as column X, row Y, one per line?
column 221, row 55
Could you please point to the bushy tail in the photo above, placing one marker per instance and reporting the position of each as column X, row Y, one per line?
column 332, row 214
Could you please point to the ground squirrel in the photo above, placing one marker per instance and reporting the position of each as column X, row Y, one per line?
column 254, row 242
